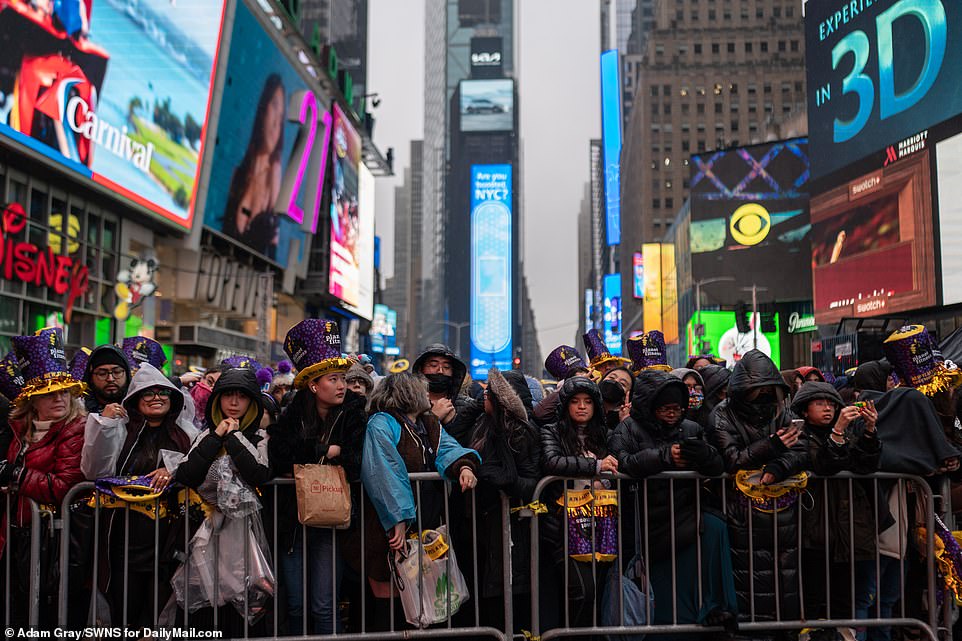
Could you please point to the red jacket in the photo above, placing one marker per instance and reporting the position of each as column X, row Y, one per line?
column 50, row 467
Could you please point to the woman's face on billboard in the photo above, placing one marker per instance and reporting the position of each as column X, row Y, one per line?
column 274, row 120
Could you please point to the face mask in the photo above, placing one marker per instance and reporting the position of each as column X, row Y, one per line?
column 759, row 412
column 695, row 399
column 439, row 383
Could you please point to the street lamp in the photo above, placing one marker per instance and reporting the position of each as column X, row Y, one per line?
column 698, row 286
column 457, row 327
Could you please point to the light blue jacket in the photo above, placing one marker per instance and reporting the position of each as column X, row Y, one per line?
column 384, row 474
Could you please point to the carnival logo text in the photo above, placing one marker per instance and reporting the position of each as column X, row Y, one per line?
column 82, row 120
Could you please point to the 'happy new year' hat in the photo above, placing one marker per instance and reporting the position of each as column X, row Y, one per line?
column 43, row 365
column 597, row 351
column 11, row 380
column 648, row 351
column 563, row 361
column 314, row 346
column 916, row 358
column 140, row 350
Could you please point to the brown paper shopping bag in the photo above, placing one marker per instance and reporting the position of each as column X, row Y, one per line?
column 323, row 496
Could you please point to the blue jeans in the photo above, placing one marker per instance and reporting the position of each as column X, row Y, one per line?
column 323, row 581
column 888, row 595
column 865, row 587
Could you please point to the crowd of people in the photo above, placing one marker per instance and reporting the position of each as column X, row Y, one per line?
column 187, row 457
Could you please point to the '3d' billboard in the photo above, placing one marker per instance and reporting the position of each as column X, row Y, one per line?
column 116, row 92
column 491, row 267
column 878, row 72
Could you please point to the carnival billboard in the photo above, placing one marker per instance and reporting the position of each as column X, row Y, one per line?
column 118, row 96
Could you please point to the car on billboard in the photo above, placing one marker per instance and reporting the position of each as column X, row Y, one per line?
column 483, row 106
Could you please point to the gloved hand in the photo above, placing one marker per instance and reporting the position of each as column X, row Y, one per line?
column 696, row 451
column 6, row 473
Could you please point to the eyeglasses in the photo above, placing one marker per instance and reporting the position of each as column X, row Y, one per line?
column 823, row 402
column 669, row 409
column 115, row 373
column 155, row 392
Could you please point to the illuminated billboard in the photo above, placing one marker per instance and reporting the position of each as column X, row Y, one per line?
column 487, row 105
column 383, row 329
column 749, row 211
column 659, row 290
column 611, row 133
column 872, row 244
column 638, row 275
column 611, row 319
column 352, row 221
column 949, row 162
column 118, row 96
column 723, row 338
column 491, row 267
column 270, row 149
column 864, row 92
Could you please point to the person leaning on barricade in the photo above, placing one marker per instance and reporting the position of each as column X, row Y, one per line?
column 41, row 464
column 404, row 436
column 841, row 439
column 574, row 446
column 657, row 438
column 510, row 450
column 767, row 455
column 133, row 449
column 226, row 465
column 323, row 423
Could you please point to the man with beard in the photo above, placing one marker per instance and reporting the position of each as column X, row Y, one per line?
column 445, row 374
column 107, row 377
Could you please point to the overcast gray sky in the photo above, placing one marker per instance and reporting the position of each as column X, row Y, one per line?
column 559, row 113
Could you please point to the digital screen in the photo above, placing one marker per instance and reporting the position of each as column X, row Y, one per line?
column 723, row 338
column 352, row 221
column 872, row 244
column 491, row 256
column 611, row 133
column 611, row 320
column 651, row 286
column 749, row 211
column 486, row 57
column 117, row 95
column 877, row 73
column 383, row 328
column 258, row 148
column 589, row 305
column 949, row 162
column 638, row 274
column 487, row 105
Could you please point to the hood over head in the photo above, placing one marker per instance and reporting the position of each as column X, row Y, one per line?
column 244, row 380
column 506, row 393
column 536, row 389
column 519, row 384
column 458, row 369
column 149, row 376
column 814, row 390
column 656, row 387
column 873, row 376
column 683, row 372
column 716, row 379
column 579, row 385
column 808, row 369
column 754, row 370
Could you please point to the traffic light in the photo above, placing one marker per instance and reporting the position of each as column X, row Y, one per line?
column 768, row 323
column 517, row 363
column 741, row 320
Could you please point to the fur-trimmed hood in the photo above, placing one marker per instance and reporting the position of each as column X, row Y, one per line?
column 507, row 397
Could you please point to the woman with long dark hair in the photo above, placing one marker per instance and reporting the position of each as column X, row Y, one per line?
column 146, row 436
column 249, row 216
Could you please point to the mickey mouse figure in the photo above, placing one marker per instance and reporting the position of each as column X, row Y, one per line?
column 134, row 285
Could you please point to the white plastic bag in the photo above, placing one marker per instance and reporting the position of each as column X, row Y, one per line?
column 440, row 589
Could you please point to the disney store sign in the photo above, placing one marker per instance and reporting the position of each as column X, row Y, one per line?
column 25, row 262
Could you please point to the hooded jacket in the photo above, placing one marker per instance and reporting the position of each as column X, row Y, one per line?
column 861, row 454
column 106, row 439
column 642, row 445
column 466, row 409
column 702, row 415
column 557, row 458
column 872, row 376
column 519, row 384
column 510, row 463
column 247, row 446
column 716, row 380
column 115, row 355
column 747, row 446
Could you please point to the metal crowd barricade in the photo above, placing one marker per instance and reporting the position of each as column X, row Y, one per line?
column 11, row 586
column 469, row 625
column 927, row 619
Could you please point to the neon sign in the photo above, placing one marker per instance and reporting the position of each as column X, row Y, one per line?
column 303, row 110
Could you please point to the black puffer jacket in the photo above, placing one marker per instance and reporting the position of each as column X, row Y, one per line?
column 716, row 381
column 558, row 458
column 746, row 446
column 247, row 446
column 300, row 438
column 861, row 453
column 643, row 444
